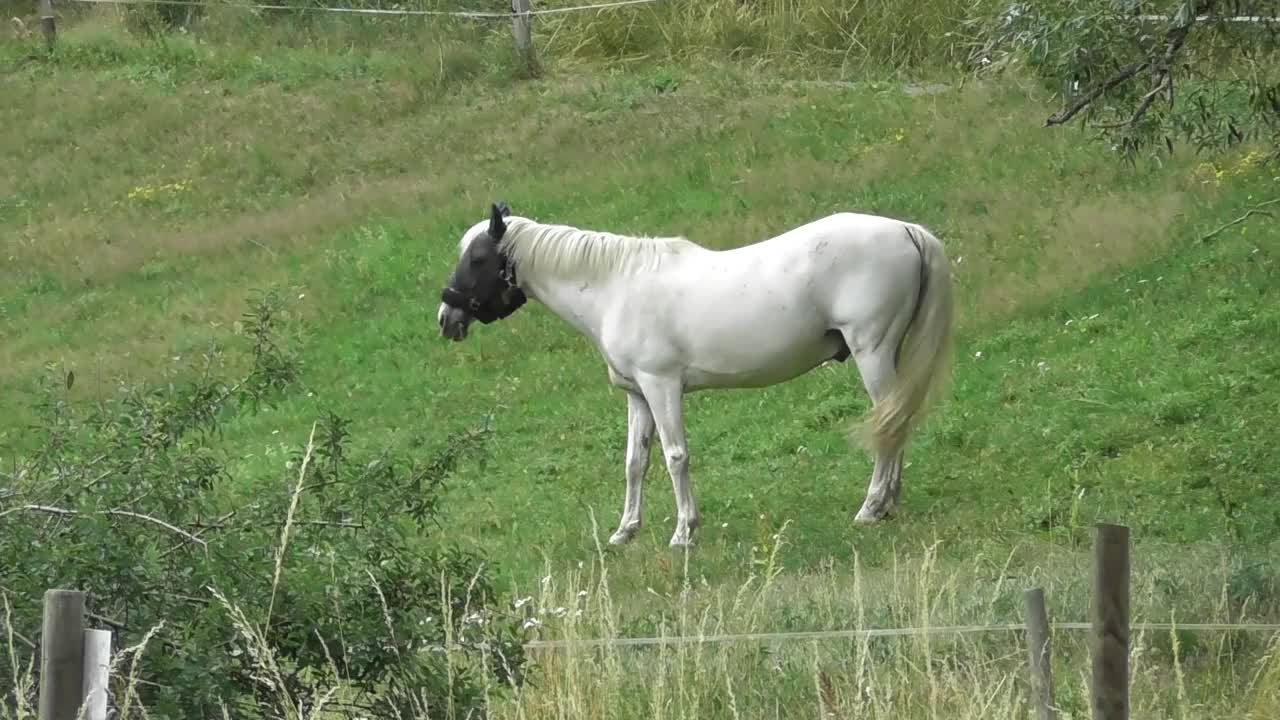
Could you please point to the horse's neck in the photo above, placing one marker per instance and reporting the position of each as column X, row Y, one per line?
column 578, row 302
column 582, row 301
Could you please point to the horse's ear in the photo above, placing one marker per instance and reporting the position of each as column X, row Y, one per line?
column 497, row 225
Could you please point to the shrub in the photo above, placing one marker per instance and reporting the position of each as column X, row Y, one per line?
column 268, row 592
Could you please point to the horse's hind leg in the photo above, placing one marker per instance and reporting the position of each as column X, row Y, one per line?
column 877, row 370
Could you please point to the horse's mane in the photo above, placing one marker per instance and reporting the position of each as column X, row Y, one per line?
column 568, row 252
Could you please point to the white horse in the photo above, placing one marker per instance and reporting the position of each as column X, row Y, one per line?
column 671, row 317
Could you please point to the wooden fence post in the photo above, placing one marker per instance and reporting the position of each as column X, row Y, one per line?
column 48, row 24
column 62, row 655
column 1039, row 654
column 522, row 28
column 1110, row 634
column 97, row 673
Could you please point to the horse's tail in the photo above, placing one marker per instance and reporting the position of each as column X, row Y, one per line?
column 923, row 354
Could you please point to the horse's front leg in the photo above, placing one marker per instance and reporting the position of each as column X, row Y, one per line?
column 665, row 402
column 639, row 437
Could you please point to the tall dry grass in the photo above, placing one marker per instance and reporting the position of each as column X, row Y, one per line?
column 848, row 34
column 586, row 673
column 934, row 673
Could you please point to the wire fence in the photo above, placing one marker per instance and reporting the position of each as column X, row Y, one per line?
column 395, row 12
column 878, row 633
column 507, row 15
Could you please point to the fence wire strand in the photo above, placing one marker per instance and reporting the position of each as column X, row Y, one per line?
column 491, row 15
column 467, row 14
column 1218, row 18
column 880, row 632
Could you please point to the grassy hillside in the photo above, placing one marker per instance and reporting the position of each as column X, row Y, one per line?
column 1111, row 365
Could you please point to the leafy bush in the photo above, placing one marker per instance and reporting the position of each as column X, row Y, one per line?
column 328, row 582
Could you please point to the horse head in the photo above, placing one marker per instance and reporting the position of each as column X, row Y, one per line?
column 483, row 285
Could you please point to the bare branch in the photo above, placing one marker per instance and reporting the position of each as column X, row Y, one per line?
column 1166, row 83
column 1085, row 100
column 113, row 624
column 1255, row 210
column 178, row 596
column 40, row 508
column 161, row 523
column 202, row 528
column 219, row 523
column 61, row 512
column 346, row 524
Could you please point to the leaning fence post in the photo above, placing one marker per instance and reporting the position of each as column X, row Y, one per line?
column 522, row 28
column 62, row 655
column 97, row 673
column 1110, row 634
column 1039, row 655
column 48, row 24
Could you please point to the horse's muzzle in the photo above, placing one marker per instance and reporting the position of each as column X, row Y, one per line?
column 453, row 322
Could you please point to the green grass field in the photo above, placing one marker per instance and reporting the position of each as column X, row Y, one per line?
column 1110, row 366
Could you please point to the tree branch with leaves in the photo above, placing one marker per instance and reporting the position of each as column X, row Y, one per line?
column 1119, row 62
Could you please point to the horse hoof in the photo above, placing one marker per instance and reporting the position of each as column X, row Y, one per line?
column 865, row 517
column 625, row 533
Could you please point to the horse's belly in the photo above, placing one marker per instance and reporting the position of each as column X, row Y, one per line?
column 745, row 365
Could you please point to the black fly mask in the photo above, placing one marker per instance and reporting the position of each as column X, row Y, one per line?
column 483, row 285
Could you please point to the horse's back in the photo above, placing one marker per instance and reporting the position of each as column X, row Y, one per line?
column 842, row 231
column 764, row 312
column 826, row 256
column 795, row 275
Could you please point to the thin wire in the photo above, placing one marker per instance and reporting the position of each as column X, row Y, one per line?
column 489, row 15
column 473, row 14
column 879, row 632
column 1227, row 18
